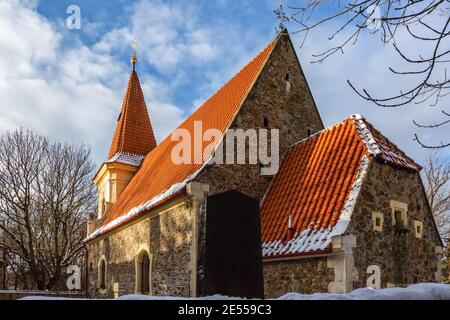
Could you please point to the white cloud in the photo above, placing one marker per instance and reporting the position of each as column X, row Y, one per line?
column 168, row 35
column 68, row 93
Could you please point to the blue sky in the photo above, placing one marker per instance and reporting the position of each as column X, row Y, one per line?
column 68, row 84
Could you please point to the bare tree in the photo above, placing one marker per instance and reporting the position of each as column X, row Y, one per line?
column 437, row 186
column 45, row 196
column 426, row 22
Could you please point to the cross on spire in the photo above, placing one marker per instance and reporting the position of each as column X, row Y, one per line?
column 134, row 57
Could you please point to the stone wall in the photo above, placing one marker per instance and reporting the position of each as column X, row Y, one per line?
column 291, row 111
column 403, row 259
column 166, row 236
column 304, row 275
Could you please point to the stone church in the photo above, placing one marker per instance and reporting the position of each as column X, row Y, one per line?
column 345, row 205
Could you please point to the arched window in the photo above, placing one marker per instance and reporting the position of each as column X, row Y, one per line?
column 102, row 274
column 143, row 266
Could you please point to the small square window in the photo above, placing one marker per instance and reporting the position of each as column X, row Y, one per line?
column 377, row 219
column 377, row 222
column 418, row 229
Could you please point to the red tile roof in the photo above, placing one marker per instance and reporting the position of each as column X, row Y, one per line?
column 317, row 185
column 133, row 134
column 159, row 177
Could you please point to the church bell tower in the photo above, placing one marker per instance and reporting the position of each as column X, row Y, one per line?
column 133, row 139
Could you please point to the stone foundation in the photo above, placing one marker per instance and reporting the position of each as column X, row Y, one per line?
column 304, row 275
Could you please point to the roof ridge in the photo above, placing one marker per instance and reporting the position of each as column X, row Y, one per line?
column 367, row 131
column 318, row 133
column 366, row 134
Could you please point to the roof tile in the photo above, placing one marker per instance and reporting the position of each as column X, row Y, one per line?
column 133, row 134
column 318, row 183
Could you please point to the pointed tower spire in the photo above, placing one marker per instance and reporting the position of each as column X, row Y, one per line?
column 134, row 132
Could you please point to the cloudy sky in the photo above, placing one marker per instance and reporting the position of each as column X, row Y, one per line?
column 68, row 84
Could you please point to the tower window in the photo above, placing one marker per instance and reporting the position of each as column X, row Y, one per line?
column 265, row 122
column 308, row 132
column 286, row 77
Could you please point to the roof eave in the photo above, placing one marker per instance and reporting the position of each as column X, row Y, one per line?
column 126, row 222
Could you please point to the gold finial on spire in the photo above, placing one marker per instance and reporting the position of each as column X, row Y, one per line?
column 133, row 57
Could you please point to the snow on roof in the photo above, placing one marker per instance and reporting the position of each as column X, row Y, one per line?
column 127, row 158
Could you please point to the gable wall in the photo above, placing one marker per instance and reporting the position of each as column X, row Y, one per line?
column 402, row 259
column 293, row 113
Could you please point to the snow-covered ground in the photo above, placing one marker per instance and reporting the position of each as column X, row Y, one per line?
column 422, row 291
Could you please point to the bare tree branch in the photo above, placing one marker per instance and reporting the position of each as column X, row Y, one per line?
column 425, row 21
column 45, row 196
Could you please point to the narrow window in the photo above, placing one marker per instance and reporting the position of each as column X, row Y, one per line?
column 288, row 84
column 145, row 267
column 143, row 273
column 308, row 132
column 266, row 122
column 103, row 206
column 102, row 274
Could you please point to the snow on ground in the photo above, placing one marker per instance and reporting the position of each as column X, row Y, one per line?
column 422, row 291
